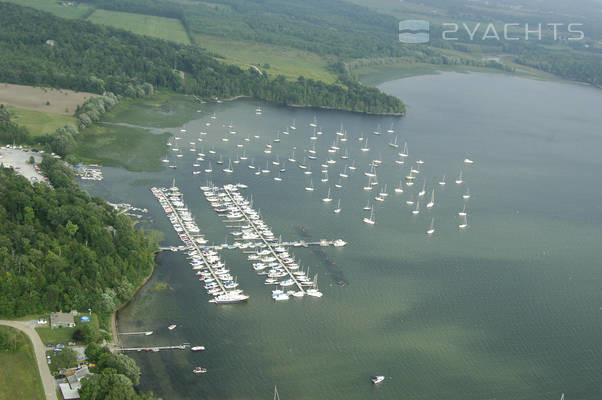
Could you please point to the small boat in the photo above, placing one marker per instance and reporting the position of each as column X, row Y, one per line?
column 197, row 348
column 394, row 143
column 416, row 211
column 459, row 181
column 310, row 188
column 464, row 223
column 199, row 370
column 338, row 209
column 431, row 203
column 404, row 152
column 466, row 195
column 423, row 190
column 463, row 212
column 468, row 161
column 442, row 181
column 327, row 199
column 370, row 220
column 365, row 147
column 377, row 379
column 399, row 189
column 171, row 327
column 432, row 228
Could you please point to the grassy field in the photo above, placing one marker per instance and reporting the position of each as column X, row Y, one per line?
column 40, row 123
column 56, row 336
column 77, row 10
column 282, row 60
column 19, row 374
column 158, row 27
column 48, row 100
column 133, row 148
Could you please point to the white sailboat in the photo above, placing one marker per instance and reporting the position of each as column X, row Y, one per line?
column 310, row 187
column 324, row 178
column 278, row 178
column 459, row 181
column 442, row 181
column 377, row 131
column 344, row 173
column 432, row 228
column 463, row 222
column 266, row 170
column 352, row 167
column 416, row 211
column 410, row 201
column 208, row 170
column 367, row 206
column 466, row 195
column 292, row 126
column 390, row 130
column 338, row 209
column 384, row 192
column 463, row 212
column 229, row 170
column 292, row 157
column 394, row 143
column 423, row 190
column 327, row 199
column 468, row 161
column 404, row 152
column 370, row 220
column 399, row 189
column 365, row 146
column 431, row 203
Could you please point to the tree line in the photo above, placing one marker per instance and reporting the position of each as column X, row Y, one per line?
column 97, row 59
column 61, row 249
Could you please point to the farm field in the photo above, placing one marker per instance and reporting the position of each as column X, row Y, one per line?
column 47, row 100
column 41, row 123
column 282, row 60
column 20, row 378
column 77, row 10
column 158, row 27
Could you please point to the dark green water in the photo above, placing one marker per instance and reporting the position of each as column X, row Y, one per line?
column 509, row 309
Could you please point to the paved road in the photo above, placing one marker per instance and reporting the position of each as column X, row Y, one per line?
column 40, row 351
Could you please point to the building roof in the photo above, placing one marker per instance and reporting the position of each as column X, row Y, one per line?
column 61, row 318
column 74, row 380
column 67, row 392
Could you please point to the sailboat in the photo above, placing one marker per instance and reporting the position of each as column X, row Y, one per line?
column 431, row 203
column 267, row 168
column 229, row 170
column 464, row 222
column 404, row 152
column 292, row 126
column 367, row 206
column 324, row 178
column 244, row 155
column 310, row 188
column 432, row 228
column 369, row 186
column 292, row 157
column 352, row 167
column 340, row 131
column 276, row 396
column 327, row 199
column 416, row 211
column 442, row 181
column 278, row 178
column 399, row 189
column 410, row 201
column 394, row 143
column 466, row 195
column 339, row 184
column 338, row 209
column 390, row 130
column 423, row 190
column 377, row 131
column 401, row 161
column 463, row 212
column 252, row 165
column 344, row 173
column 209, row 169
column 344, row 138
column 365, row 147
column 468, row 161
column 459, row 181
column 384, row 192
column 313, row 149
column 314, row 123
column 371, row 219
column 276, row 161
column 345, row 156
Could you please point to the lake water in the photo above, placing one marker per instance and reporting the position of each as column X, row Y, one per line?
column 510, row 308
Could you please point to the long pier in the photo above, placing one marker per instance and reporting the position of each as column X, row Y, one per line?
column 263, row 239
column 154, row 348
column 193, row 244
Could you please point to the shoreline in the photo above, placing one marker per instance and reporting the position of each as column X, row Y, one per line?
column 114, row 331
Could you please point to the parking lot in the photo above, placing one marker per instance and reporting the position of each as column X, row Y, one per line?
column 18, row 160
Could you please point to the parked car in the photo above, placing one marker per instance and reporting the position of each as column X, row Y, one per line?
column 60, row 346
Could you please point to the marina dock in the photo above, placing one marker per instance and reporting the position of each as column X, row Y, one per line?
column 218, row 282
column 154, row 349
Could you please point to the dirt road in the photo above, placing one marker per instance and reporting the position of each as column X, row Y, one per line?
column 40, row 350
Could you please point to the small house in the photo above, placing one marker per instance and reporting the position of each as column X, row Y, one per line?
column 61, row 320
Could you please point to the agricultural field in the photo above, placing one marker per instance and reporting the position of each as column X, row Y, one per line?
column 40, row 123
column 159, row 27
column 61, row 9
column 47, row 100
column 19, row 373
column 281, row 60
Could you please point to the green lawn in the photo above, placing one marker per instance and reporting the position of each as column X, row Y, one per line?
column 133, row 148
column 159, row 27
column 39, row 123
column 19, row 374
column 282, row 60
column 56, row 335
column 77, row 10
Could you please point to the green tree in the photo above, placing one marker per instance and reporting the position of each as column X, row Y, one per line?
column 122, row 364
column 95, row 351
column 65, row 358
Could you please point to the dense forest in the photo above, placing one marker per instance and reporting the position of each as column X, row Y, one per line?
column 60, row 249
column 93, row 58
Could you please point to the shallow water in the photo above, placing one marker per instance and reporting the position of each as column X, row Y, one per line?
column 510, row 308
